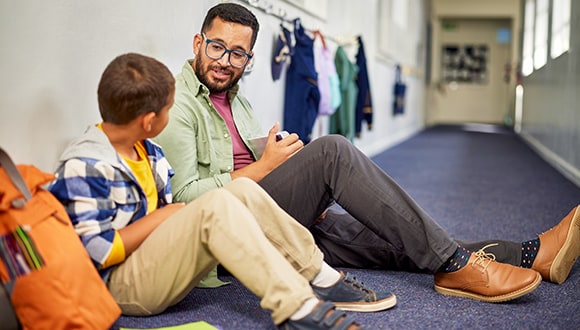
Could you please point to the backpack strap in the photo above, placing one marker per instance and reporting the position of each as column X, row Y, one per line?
column 13, row 174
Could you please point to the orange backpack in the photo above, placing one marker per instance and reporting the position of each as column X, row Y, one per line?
column 44, row 267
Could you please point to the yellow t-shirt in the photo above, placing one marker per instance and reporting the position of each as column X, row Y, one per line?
column 141, row 169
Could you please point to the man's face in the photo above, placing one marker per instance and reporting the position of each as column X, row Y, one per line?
column 219, row 75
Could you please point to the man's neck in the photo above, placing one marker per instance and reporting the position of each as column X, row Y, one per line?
column 221, row 95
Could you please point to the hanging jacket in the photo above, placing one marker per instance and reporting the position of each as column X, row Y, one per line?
column 328, row 83
column 342, row 121
column 302, row 95
column 283, row 50
column 364, row 104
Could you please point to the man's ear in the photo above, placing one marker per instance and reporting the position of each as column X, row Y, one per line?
column 147, row 122
column 197, row 41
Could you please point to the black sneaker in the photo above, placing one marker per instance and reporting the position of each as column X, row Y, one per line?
column 318, row 319
column 350, row 295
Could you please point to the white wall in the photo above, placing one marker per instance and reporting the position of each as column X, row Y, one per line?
column 53, row 53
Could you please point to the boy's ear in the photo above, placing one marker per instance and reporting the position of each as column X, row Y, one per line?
column 147, row 122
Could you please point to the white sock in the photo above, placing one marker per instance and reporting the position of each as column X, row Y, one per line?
column 306, row 309
column 327, row 276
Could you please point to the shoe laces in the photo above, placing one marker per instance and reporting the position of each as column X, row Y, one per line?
column 358, row 285
column 483, row 258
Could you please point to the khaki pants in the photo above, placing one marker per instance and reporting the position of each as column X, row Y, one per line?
column 239, row 226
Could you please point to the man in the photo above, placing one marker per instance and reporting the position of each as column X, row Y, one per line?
column 209, row 141
column 114, row 184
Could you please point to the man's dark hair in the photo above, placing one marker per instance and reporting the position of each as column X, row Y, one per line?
column 131, row 85
column 231, row 12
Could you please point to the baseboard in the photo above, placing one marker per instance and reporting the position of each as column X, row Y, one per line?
column 568, row 170
column 377, row 147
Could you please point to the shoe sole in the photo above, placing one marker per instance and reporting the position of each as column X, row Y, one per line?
column 492, row 299
column 569, row 252
column 376, row 306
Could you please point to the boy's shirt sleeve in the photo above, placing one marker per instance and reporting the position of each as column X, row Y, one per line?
column 117, row 254
column 90, row 192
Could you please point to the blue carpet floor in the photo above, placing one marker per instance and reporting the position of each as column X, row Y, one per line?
column 477, row 185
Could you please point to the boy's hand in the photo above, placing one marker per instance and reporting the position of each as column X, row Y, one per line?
column 135, row 233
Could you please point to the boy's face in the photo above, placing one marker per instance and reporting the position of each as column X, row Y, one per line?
column 162, row 118
column 219, row 75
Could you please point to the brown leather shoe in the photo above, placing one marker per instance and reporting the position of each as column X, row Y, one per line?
column 559, row 248
column 484, row 279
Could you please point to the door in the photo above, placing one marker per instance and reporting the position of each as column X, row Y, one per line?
column 471, row 71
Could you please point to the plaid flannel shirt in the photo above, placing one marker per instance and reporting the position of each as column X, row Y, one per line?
column 100, row 193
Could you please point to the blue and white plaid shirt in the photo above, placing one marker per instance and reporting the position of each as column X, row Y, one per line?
column 100, row 193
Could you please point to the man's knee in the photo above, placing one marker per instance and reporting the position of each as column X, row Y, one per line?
column 334, row 141
column 333, row 138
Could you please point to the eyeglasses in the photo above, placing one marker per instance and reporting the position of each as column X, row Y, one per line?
column 216, row 50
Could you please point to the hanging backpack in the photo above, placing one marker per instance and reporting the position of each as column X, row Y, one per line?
column 399, row 93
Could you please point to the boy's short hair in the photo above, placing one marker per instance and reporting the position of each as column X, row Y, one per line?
column 132, row 85
column 231, row 12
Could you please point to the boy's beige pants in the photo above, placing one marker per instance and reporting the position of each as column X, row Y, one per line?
column 238, row 226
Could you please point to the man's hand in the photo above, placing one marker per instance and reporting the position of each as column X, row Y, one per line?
column 275, row 153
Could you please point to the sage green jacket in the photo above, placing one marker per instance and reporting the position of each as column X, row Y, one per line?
column 197, row 141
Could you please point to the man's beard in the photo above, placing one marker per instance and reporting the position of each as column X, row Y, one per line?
column 214, row 88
